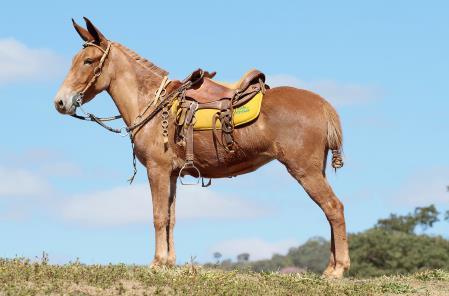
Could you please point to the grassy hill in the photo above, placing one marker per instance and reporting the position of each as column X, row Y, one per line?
column 22, row 277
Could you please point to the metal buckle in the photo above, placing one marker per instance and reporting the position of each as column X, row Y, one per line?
column 186, row 166
column 77, row 99
column 124, row 131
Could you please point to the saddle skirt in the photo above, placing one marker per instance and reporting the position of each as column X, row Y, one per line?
column 241, row 115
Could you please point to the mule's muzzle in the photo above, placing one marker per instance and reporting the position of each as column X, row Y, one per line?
column 64, row 107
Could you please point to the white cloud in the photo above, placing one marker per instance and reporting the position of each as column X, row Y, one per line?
column 12, row 214
column 19, row 62
column 339, row 94
column 121, row 205
column 21, row 182
column 198, row 202
column 50, row 163
column 61, row 169
column 425, row 187
column 256, row 247
column 132, row 204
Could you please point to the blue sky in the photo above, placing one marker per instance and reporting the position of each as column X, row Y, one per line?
column 63, row 190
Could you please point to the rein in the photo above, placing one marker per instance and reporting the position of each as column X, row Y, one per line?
column 124, row 131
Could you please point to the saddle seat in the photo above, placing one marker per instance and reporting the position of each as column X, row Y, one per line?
column 251, row 75
column 208, row 90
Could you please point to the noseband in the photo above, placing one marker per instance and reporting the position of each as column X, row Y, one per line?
column 78, row 98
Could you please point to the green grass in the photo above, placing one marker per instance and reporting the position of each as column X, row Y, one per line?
column 22, row 277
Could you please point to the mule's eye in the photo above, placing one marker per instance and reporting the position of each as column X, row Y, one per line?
column 88, row 61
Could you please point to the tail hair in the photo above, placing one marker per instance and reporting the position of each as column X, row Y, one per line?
column 334, row 135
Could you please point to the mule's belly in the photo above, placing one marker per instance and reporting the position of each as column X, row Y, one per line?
column 252, row 150
column 232, row 168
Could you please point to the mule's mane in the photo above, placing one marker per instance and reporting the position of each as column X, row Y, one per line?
column 142, row 61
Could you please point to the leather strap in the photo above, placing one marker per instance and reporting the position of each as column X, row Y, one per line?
column 243, row 97
column 189, row 144
column 98, row 69
column 189, row 122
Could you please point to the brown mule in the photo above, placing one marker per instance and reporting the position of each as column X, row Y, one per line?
column 295, row 126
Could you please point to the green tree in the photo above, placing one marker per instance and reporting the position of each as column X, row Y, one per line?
column 243, row 258
column 274, row 264
column 424, row 217
column 393, row 247
column 312, row 255
column 217, row 257
column 382, row 252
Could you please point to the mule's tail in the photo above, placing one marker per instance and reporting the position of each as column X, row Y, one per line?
column 334, row 135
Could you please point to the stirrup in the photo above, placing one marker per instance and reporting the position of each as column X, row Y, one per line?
column 188, row 165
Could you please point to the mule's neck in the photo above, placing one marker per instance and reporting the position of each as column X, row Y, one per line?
column 133, row 82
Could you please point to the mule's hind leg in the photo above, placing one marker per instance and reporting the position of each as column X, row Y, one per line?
column 317, row 187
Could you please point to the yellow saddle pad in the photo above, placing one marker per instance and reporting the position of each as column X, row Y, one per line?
column 243, row 114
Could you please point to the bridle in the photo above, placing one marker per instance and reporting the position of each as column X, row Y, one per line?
column 164, row 100
column 78, row 99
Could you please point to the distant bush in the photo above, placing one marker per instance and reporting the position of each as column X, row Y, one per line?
column 312, row 256
column 393, row 247
column 384, row 252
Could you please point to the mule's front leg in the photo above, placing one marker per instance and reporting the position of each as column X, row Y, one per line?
column 160, row 191
column 171, row 261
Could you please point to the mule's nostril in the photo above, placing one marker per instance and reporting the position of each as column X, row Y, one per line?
column 60, row 103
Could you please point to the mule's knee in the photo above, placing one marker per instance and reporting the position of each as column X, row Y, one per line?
column 160, row 221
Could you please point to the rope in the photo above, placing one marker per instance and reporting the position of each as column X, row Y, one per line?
column 88, row 118
column 131, row 179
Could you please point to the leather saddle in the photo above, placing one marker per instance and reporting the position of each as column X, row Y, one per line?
column 205, row 93
column 207, row 90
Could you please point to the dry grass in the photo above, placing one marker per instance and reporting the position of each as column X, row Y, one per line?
column 22, row 277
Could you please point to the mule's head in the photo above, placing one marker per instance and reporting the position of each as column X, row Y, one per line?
column 80, row 84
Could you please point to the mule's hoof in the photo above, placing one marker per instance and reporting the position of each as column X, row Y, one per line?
column 333, row 273
column 157, row 264
column 171, row 262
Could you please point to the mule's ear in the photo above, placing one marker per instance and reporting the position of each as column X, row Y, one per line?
column 98, row 36
column 84, row 34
